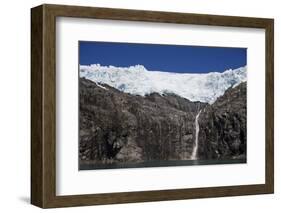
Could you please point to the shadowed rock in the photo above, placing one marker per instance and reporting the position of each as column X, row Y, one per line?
column 223, row 126
column 119, row 127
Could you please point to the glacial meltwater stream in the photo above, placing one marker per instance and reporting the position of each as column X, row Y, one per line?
column 195, row 148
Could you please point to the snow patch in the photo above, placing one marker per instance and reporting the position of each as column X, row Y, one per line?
column 101, row 86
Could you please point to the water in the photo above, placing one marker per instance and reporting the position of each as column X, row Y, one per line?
column 197, row 128
column 161, row 163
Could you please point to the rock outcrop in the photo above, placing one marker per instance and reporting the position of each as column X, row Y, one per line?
column 223, row 126
column 116, row 127
column 119, row 127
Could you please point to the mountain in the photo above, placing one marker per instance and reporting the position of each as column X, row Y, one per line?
column 137, row 80
column 223, row 126
column 132, row 115
column 117, row 127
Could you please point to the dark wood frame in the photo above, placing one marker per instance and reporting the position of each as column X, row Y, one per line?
column 43, row 105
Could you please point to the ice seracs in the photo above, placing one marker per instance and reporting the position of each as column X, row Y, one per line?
column 137, row 80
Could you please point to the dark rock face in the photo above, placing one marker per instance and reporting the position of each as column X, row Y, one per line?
column 115, row 127
column 223, row 126
column 119, row 127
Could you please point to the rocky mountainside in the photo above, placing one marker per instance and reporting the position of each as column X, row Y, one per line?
column 223, row 126
column 117, row 127
column 120, row 127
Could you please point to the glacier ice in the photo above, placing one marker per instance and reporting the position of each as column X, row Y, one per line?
column 137, row 80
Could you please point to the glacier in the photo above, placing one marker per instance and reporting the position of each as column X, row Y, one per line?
column 137, row 80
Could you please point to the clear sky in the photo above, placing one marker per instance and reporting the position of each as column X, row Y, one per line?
column 158, row 57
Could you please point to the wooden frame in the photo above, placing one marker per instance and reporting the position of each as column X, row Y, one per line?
column 43, row 106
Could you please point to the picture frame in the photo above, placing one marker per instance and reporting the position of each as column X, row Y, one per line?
column 43, row 105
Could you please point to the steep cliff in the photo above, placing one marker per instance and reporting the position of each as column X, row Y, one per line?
column 120, row 127
column 223, row 126
column 117, row 127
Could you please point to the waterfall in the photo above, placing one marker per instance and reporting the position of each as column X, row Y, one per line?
column 195, row 148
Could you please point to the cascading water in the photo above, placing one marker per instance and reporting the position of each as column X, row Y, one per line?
column 195, row 148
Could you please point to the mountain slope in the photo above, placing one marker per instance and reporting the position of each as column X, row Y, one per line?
column 223, row 126
column 119, row 127
column 137, row 80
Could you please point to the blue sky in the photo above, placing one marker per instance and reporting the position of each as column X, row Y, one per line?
column 169, row 58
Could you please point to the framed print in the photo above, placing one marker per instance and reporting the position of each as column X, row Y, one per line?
column 136, row 106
